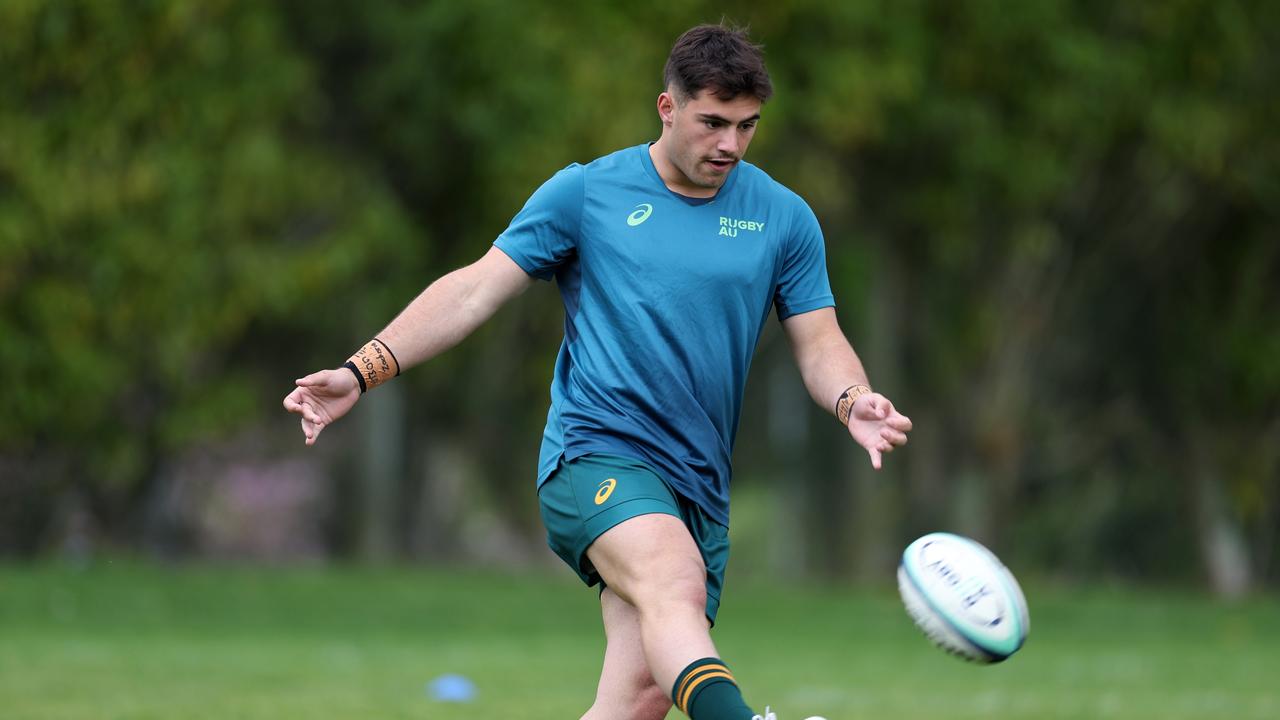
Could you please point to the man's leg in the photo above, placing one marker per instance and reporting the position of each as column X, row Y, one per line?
column 627, row 690
column 652, row 563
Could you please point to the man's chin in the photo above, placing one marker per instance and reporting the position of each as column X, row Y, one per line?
column 706, row 180
column 710, row 181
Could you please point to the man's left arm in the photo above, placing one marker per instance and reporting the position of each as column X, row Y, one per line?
column 836, row 380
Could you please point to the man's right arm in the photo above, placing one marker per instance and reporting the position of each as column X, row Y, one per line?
column 452, row 307
column 449, row 310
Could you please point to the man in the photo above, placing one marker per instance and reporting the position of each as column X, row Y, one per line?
column 669, row 257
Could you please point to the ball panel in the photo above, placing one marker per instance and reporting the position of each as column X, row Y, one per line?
column 1000, row 629
column 1019, row 616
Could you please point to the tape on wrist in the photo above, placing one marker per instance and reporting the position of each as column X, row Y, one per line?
column 844, row 406
column 373, row 365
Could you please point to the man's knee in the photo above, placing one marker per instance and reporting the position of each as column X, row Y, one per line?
column 652, row 562
column 666, row 583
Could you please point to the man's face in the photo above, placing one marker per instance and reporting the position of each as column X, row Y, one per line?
column 708, row 136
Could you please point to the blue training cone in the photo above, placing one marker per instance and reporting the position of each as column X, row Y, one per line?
column 452, row 689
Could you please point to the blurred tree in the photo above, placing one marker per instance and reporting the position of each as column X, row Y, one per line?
column 1189, row 277
column 173, row 226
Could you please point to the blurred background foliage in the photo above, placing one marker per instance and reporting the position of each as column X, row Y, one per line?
column 1051, row 226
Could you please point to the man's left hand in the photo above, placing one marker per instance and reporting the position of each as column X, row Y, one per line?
column 877, row 426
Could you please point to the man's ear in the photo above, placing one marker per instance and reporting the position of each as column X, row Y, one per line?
column 666, row 108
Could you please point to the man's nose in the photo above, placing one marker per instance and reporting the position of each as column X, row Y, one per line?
column 728, row 143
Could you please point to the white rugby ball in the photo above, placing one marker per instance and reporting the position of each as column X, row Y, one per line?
column 963, row 598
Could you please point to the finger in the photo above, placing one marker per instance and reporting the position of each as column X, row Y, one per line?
column 893, row 436
column 869, row 410
column 315, row 379
column 294, row 401
column 884, row 408
column 877, row 407
column 309, row 413
column 899, row 422
column 875, row 457
column 311, row 431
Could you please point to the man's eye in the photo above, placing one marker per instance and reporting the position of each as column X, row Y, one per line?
column 713, row 124
column 747, row 127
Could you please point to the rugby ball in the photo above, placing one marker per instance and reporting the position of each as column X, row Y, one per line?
column 963, row 598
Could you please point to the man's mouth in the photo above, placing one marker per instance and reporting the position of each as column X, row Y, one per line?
column 721, row 163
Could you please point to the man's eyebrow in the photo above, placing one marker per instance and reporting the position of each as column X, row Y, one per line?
column 725, row 120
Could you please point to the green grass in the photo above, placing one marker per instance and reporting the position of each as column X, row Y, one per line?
column 131, row 641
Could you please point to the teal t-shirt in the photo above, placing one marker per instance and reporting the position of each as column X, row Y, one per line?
column 665, row 297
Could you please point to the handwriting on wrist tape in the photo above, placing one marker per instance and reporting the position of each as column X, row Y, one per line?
column 844, row 406
column 373, row 364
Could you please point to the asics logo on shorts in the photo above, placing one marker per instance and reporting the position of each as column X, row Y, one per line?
column 606, row 489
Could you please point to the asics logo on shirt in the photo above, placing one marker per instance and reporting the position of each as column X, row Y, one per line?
column 641, row 213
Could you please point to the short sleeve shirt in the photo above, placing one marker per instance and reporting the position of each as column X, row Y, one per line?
column 665, row 298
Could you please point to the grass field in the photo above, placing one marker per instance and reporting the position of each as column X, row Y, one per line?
column 133, row 641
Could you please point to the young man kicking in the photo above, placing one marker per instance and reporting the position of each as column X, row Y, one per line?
column 670, row 257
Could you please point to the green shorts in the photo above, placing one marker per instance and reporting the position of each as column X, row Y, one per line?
column 586, row 496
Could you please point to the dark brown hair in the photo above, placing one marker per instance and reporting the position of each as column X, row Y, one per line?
column 717, row 58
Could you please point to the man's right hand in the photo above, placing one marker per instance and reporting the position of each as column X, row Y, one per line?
column 321, row 398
